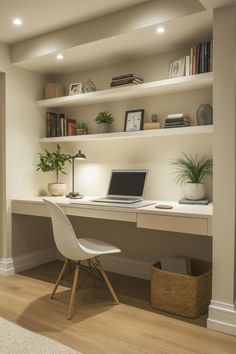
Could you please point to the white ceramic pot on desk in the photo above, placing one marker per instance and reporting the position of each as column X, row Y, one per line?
column 194, row 191
column 57, row 189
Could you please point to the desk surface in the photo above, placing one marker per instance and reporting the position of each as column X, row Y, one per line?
column 203, row 211
column 192, row 219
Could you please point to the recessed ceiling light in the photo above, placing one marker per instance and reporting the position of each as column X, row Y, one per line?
column 160, row 29
column 17, row 21
column 60, row 56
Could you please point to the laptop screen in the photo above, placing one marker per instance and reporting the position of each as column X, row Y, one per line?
column 127, row 183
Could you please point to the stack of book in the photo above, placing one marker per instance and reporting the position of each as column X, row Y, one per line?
column 177, row 120
column 57, row 124
column 194, row 202
column 201, row 58
column 126, row 80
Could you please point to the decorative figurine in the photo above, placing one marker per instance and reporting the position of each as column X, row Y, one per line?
column 154, row 118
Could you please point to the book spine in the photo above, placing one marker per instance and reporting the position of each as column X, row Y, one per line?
column 211, row 55
column 71, row 126
column 61, row 122
column 197, row 60
column 194, row 60
column 191, row 62
column 124, row 83
column 177, row 115
column 205, row 58
column 128, row 78
column 127, row 75
column 58, row 125
column 48, row 124
column 202, row 57
column 177, row 124
column 187, row 65
column 177, row 120
column 53, row 125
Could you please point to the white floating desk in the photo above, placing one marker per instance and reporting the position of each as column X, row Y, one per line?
column 189, row 219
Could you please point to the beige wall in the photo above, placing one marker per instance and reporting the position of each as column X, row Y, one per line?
column 23, row 127
column 156, row 154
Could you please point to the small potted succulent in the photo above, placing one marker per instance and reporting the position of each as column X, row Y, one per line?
column 104, row 119
column 82, row 128
column 192, row 172
column 54, row 162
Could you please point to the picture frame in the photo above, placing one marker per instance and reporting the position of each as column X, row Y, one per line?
column 177, row 67
column 75, row 88
column 134, row 120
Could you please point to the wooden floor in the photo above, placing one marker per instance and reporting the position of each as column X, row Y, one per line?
column 98, row 326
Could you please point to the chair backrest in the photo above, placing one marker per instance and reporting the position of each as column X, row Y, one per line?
column 64, row 235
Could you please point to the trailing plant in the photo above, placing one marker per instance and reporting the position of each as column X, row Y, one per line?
column 82, row 125
column 53, row 162
column 104, row 117
column 191, row 169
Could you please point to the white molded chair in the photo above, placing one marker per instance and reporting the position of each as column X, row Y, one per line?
column 77, row 250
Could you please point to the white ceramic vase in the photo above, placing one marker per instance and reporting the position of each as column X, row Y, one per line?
column 194, row 191
column 57, row 189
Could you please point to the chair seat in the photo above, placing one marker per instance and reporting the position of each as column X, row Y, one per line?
column 97, row 247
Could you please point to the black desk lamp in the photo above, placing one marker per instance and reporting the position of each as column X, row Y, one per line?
column 73, row 194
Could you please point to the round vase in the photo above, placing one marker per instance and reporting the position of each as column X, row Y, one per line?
column 205, row 114
column 194, row 191
column 57, row 189
column 104, row 128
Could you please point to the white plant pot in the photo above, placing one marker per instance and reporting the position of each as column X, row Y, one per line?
column 194, row 191
column 57, row 189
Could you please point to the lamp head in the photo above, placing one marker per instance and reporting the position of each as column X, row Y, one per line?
column 79, row 156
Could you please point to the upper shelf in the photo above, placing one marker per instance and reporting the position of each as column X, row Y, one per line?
column 161, row 87
column 204, row 129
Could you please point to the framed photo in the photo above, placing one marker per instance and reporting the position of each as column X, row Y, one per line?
column 177, row 67
column 134, row 120
column 75, row 88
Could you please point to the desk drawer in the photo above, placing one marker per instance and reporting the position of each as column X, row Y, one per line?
column 101, row 214
column 29, row 209
column 36, row 209
column 198, row 226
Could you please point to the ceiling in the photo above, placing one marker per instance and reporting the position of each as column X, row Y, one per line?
column 108, row 51
column 38, row 39
column 44, row 16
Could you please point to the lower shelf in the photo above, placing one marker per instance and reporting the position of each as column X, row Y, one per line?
column 205, row 129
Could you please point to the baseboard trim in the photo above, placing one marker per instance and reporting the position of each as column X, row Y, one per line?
column 126, row 266
column 7, row 266
column 116, row 264
column 222, row 317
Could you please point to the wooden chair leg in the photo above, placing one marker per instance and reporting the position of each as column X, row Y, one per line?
column 107, row 281
column 91, row 268
column 60, row 277
column 73, row 292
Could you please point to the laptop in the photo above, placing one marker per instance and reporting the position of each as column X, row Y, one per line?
column 125, row 186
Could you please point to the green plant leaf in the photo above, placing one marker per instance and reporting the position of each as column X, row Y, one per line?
column 189, row 169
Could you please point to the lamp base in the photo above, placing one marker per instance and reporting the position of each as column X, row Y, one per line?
column 74, row 195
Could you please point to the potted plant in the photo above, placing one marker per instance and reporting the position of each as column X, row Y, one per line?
column 82, row 128
column 104, row 119
column 192, row 172
column 54, row 162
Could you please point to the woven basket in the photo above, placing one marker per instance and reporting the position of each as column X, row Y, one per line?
column 185, row 295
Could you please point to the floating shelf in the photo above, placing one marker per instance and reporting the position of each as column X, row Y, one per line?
column 179, row 84
column 205, row 129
